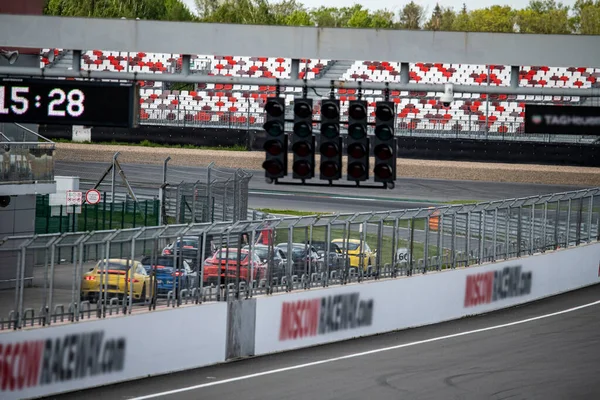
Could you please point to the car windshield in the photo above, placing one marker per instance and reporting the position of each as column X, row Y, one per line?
column 113, row 266
column 351, row 246
column 162, row 261
column 231, row 255
column 261, row 252
column 189, row 244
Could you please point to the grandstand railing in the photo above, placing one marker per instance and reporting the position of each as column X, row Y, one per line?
column 466, row 128
column 389, row 244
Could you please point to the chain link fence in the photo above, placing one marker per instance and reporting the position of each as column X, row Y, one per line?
column 60, row 278
column 220, row 195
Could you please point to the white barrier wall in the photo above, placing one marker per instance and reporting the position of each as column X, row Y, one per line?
column 92, row 353
column 302, row 319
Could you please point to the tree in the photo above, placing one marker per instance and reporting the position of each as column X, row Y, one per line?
column 204, row 8
column 544, row 16
column 462, row 22
column 411, row 16
column 442, row 19
column 586, row 19
column 492, row 19
column 382, row 19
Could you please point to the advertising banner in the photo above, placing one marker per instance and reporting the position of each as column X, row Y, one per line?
column 318, row 316
column 45, row 361
column 563, row 120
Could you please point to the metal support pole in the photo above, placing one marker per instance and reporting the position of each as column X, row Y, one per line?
column 114, row 176
column 590, row 215
column 514, row 76
column 568, row 227
column 76, row 61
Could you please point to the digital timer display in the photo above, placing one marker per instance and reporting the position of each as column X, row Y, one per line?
column 62, row 102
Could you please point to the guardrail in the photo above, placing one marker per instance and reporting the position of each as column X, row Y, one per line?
column 72, row 281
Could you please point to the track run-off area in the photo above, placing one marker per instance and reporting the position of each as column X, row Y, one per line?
column 408, row 193
column 548, row 349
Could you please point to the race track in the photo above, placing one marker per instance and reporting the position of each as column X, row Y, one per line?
column 529, row 352
column 408, row 193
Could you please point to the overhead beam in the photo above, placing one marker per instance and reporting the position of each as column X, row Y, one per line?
column 14, row 72
column 298, row 42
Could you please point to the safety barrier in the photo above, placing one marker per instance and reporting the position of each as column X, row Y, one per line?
column 117, row 349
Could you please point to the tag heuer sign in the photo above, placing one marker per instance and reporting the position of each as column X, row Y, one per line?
column 563, row 120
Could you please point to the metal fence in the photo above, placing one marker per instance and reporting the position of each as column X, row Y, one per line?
column 92, row 217
column 60, row 278
column 220, row 195
column 480, row 125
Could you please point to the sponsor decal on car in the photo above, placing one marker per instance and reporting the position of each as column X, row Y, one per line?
column 74, row 356
column 497, row 285
column 320, row 316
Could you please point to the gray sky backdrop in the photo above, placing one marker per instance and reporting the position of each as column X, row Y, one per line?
column 397, row 5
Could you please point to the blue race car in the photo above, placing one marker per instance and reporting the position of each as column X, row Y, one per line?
column 167, row 275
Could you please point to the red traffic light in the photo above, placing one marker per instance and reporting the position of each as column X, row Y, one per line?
column 273, row 167
column 303, row 149
column 383, row 152
column 357, row 150
column 302, row 168
column 329, row 149
column 273, row 147
column 356, row 170
column 274, row 108
column 357, row 111
column 383, row 171
column 329, row 169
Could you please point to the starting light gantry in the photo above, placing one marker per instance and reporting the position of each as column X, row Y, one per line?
column 328, row 143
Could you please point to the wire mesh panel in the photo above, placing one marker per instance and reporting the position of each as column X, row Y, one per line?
column 220, row 195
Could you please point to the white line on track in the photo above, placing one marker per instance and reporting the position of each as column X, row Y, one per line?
column 362, row 354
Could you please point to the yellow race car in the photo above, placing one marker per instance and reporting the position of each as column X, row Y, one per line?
column 354, row 247
column 114, row 279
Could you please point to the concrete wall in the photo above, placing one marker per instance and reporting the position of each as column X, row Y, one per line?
column 241, row 321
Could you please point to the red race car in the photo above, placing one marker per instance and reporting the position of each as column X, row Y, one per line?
column 222, row 267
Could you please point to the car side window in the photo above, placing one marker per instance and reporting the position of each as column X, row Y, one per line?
column 367, row 248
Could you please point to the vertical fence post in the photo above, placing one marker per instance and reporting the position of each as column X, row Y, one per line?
column 568, row 227
column 426, row 244
column 495, row 235
column 579, row 222
column 519, row 230
column 482, row 231
column 556, row 224
column 590, row 215
column 453, row 238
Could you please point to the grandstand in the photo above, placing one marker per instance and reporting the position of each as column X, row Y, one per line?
column 242, row 105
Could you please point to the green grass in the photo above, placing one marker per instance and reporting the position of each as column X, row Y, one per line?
column 459, row 202
column 147, row 143
column 294, row 213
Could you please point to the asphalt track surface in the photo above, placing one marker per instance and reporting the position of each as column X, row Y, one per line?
column 408, row 193
column 526, row 352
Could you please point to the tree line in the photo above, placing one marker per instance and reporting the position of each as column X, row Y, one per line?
column 539, row 16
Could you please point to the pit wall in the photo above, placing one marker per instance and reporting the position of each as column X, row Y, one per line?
column 93, row 353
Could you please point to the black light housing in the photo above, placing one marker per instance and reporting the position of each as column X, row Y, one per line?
column 276, row 146
column 384, row 146
column 303, row 140
column 358, row 141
